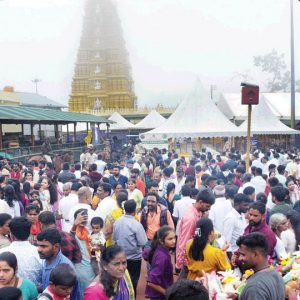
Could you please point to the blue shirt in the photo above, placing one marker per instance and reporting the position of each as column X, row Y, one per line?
column 47, row 268
column 130, row 235
column 121, row 180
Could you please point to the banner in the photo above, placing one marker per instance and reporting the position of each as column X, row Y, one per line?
column 160, row 144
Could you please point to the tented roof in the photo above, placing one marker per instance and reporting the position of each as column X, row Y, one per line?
column 121, row 123
column 196, row 116
column 230, row 105
column 264, row 121
column 153, row 120
column 279, row 103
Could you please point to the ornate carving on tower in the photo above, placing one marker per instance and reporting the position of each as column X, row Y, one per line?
column 102, row 78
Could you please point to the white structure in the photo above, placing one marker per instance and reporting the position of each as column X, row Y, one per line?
column 121, row 123
column 265, row 122
column 196, row 116
column 279, row 103
column 153, row 120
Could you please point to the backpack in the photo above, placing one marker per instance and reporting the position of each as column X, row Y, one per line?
column 213, row 170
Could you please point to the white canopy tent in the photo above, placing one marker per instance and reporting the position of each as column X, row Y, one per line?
column 121, row 123
column 230, row 104
column 153, row 120
column 279, row 103
column 265, row 122
column 196, row 116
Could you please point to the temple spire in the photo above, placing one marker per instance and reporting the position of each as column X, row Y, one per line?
column 102, row 76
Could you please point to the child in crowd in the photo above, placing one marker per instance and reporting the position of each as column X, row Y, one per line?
column 32, row 214
column 61, row 283
column 10, row 293
column 97, row 242
column 160, row 275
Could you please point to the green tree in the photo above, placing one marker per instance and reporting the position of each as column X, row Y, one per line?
column 273, row 63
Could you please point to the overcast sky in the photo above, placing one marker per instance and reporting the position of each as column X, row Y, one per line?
column 170, row 43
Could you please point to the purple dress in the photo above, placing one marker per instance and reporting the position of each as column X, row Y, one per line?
column 161, row 271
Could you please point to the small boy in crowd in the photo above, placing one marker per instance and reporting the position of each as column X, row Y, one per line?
column 97, row 242
column 61, row 283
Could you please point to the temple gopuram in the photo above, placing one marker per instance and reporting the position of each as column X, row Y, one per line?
column 102, row 79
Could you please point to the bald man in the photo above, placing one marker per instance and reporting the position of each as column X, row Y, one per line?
column 84, row 201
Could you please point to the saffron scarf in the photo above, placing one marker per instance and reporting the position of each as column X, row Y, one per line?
column 83, row 234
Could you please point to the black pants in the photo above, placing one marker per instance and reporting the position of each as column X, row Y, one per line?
column 134, row 270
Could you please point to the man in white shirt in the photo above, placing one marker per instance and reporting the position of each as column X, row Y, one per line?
column 107, row 204
column 292, row 167
column 182, row 205
column 258, row 181
column 29, row 262
column 123, row 169
column 100, row 164
column 274, row 160
column 4, row 208
column 179, row 180
column 234, row 222
column 67, row 203
column 246, row 179
column 84, row 201
column 157, row 177
column 220, row 208
column 280, row 174
column 77, row 172
column 256, row 161
column 174, row 161
column 265, row 169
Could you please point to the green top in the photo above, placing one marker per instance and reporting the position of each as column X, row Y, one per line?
column 282, row 208
column 28, row 289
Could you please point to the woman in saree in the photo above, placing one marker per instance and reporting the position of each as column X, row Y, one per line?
column 113, row 217
column 114, row 282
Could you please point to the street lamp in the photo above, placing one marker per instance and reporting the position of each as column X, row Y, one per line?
column 292, row 67
column 36, row 81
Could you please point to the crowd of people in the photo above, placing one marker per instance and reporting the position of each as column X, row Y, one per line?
column 85, row 230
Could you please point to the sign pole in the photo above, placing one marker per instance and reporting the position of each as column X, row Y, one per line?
column 248, row 138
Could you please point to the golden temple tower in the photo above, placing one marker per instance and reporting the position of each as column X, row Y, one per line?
column 102, row 78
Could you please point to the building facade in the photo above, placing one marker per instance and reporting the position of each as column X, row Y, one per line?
column 102, row 78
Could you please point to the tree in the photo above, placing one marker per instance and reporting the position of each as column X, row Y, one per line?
column 274, row 64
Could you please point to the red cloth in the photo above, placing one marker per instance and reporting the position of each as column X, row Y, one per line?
column 141, row 186
column 51, row 292
column 267, row 190
column 95, row 176
column 237, row 181
column 15, row 175
column 35, row 228
column 266, row 231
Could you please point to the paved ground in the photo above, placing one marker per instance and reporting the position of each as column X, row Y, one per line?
column 142, row 283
